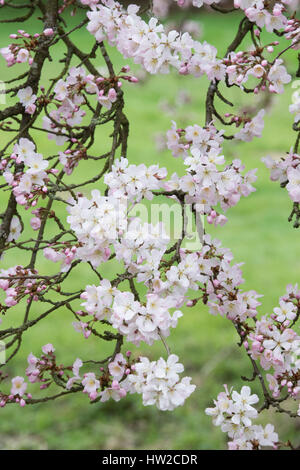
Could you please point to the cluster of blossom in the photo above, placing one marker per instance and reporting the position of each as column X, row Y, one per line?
column 251, row 128
column 242, row 65
column 102, row 222
column 211, row 267
column 159, row 383
column 72, row 93
column 245, row 5
column 16, row 284
column 69, row 92
column 287, row 172
column 17, row 393
column 38, row 367
column 70, row 97
column 143, row 322
column 204, row 138
column 292, row 32
column 17, row 54
column 151, row 320
column 161, row 7
column 108, row 385
column 149, row 44
column 64, row 253
column 96, row 222
column 134, row 320
column 27, row 185
column 141, row 248
column 179, row 141
column 276, row 345
column 35, row 373
column 265, row 14
column 234, row 412
column 134, row 181
column 205, row 183
column 222, row 280
column 71, row 157
column 262, row 13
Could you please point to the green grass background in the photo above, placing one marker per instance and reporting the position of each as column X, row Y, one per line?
column 257, row 232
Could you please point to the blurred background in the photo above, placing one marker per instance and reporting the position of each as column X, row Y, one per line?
column 257, row 232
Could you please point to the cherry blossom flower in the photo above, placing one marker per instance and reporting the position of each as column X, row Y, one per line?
column 19, row 386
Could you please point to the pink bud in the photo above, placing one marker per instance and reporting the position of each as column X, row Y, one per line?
column 35, row 223
column 93, row 395
column 183, row 70
column 277, row 11
column 87, row 333
column 48, row 32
